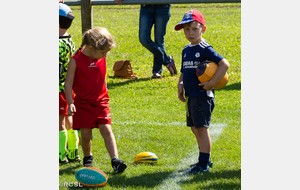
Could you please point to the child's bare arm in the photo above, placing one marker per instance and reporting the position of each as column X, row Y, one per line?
column 220, row 73
column 180, row 88
column 69, row 84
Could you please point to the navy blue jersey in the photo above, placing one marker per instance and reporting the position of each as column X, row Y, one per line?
column 192, row 56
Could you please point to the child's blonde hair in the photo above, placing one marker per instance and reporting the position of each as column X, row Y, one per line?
column 99, row 38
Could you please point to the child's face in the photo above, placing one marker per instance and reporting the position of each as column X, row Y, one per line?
column 193, row 32
column 98, row 54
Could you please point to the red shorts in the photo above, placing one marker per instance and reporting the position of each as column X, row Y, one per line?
column 91, row 115
column 63, row 105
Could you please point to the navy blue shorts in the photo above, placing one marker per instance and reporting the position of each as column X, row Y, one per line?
column 199, row 111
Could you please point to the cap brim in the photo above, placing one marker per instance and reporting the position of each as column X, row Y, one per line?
column 179, row 26
column 70, row 17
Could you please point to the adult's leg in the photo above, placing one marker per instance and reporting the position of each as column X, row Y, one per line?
column 161, row 19
column 146, row 22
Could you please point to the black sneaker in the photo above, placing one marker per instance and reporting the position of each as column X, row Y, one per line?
column 88, row 161
column 118, row 165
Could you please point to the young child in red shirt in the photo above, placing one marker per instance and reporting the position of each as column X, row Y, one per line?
column 90, row 109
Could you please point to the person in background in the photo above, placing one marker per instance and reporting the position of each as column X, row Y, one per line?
column 157, row 16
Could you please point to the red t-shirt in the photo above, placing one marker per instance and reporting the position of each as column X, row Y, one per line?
column 89, row 79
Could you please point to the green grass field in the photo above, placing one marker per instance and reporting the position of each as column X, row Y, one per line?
column 147, row 115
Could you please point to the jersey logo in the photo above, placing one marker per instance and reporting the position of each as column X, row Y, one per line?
column 197, row 55
column 196, row 63
column 93, row 65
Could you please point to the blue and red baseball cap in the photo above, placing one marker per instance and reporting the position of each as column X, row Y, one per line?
column 64, row 10
column 189, row 17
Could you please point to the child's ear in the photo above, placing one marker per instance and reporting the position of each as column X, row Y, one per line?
column 90, row 48
column 203, row 29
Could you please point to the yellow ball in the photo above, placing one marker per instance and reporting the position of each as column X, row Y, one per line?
column 205, row 72
column 146, row 157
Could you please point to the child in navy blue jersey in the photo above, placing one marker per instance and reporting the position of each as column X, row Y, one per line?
column 198, row 96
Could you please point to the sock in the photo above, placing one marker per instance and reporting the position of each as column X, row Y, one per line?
column 204, row 159
column 62, row 144
column 72, row 143
column 113, row 158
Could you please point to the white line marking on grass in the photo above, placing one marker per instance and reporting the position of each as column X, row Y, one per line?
column 174, row 180
column 148, row 123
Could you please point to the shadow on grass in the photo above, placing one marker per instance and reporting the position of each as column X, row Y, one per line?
column 70, row 169
column 215, row 180
column 149, row 180
column 218, row 180
column 234, row 86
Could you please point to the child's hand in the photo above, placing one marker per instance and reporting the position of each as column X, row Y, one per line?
column 207, row 85
column 180, row 93
column 71, row 109
column 220, row 73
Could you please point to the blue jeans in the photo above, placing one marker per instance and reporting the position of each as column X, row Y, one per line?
column 157, row 15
